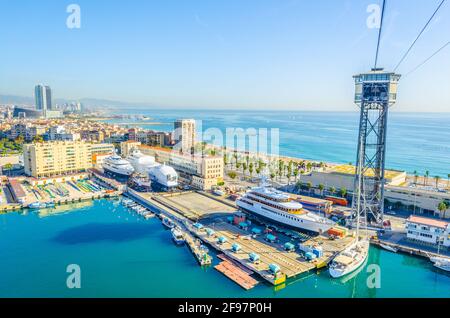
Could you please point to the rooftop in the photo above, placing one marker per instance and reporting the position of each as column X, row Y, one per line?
column 428, row 221
column 349, row 169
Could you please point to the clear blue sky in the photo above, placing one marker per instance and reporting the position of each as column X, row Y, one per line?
column 279, row 54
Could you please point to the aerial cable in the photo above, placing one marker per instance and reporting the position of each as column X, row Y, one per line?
column 379, row 34
column 424, row 62
column 420, row 34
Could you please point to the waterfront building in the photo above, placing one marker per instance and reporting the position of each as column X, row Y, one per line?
column 48, row 159
column 428, row 231
column 93, row 135
column 420, row 200
column 200, row 172
column 127, row 147
column 43, row 97
column 343, row 176
column 185, row 135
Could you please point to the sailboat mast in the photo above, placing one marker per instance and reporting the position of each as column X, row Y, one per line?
column 360, row 184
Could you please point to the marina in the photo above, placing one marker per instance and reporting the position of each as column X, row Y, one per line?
column 128, row 245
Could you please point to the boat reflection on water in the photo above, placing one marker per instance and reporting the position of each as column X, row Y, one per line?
column 65, row 208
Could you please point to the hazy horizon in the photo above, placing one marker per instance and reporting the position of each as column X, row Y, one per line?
column 272, row 54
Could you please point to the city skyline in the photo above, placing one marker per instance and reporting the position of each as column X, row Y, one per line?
column 252, row 55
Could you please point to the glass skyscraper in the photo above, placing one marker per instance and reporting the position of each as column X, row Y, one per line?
column 43, row 97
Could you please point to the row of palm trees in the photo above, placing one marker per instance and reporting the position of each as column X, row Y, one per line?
column 277, row 168
column 426, row 178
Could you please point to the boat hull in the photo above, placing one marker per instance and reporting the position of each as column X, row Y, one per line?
column 308, row 226
column 341, row 272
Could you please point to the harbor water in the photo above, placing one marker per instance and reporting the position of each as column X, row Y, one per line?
column 416, row 141
column 121, row 254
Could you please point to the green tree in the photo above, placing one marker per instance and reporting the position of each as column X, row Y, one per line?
column 416, row 176
column 443, row 207
column 343, row 192
column 332, row 190
column 321, row 187
column 251, row 168
column 427, row 175
column 232, row 174
column 436, row 180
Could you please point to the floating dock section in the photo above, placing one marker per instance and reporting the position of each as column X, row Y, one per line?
column 236, row 274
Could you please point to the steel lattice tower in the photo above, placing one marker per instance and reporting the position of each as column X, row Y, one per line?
column 375, row 93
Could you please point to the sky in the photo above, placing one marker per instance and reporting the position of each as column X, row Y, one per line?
column 243, row 54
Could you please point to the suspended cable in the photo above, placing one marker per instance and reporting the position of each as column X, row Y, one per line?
column 420, row 34
column 424, row 62
column 379, row 34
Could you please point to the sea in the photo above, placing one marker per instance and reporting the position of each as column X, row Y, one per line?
column 120, row 254
column 416, row 142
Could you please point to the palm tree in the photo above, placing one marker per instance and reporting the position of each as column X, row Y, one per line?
column 321, row 188
column 244, row 168
column 442, row 207
column 416, row 176
column 436, row 180
column 225, row 159
column 309, row 186
column 448, row 180
column 232, row 174
column 296, row 174
column 343, row 192
column 332, row 190
column 427, row 174
column 235, row 156
column 272, row 176
column 250, row 169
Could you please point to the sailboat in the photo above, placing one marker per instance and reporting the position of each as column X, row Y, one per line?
column 355, row 255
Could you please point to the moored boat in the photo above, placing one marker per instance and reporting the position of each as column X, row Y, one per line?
column 442, row 263
column 177, row 236
column 389, row 248
column 349, row 260
column 168, row 222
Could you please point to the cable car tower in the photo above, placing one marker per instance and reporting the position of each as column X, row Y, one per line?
column 375, row 93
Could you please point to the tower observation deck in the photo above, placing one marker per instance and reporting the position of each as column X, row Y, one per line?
column 375, row 93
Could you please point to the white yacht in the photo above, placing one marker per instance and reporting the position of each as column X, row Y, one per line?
column 163, row 177
column 279, row 207
column 140, row 162
column 118, row 166
column 441, row 263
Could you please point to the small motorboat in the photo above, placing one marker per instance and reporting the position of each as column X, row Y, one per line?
column 389, row 248
column 441, row 263
column 168, row 223
column 177, row 236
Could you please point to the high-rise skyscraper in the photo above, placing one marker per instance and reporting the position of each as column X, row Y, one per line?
column 43, row 97
column 185, row 135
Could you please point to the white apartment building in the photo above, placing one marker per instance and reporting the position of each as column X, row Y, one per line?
column 428, row 231
column 185, row 135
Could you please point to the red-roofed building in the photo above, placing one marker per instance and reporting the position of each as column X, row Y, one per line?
column 429, row 231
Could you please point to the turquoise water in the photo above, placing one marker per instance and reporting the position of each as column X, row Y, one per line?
column 416, row 142
column 122, row 255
